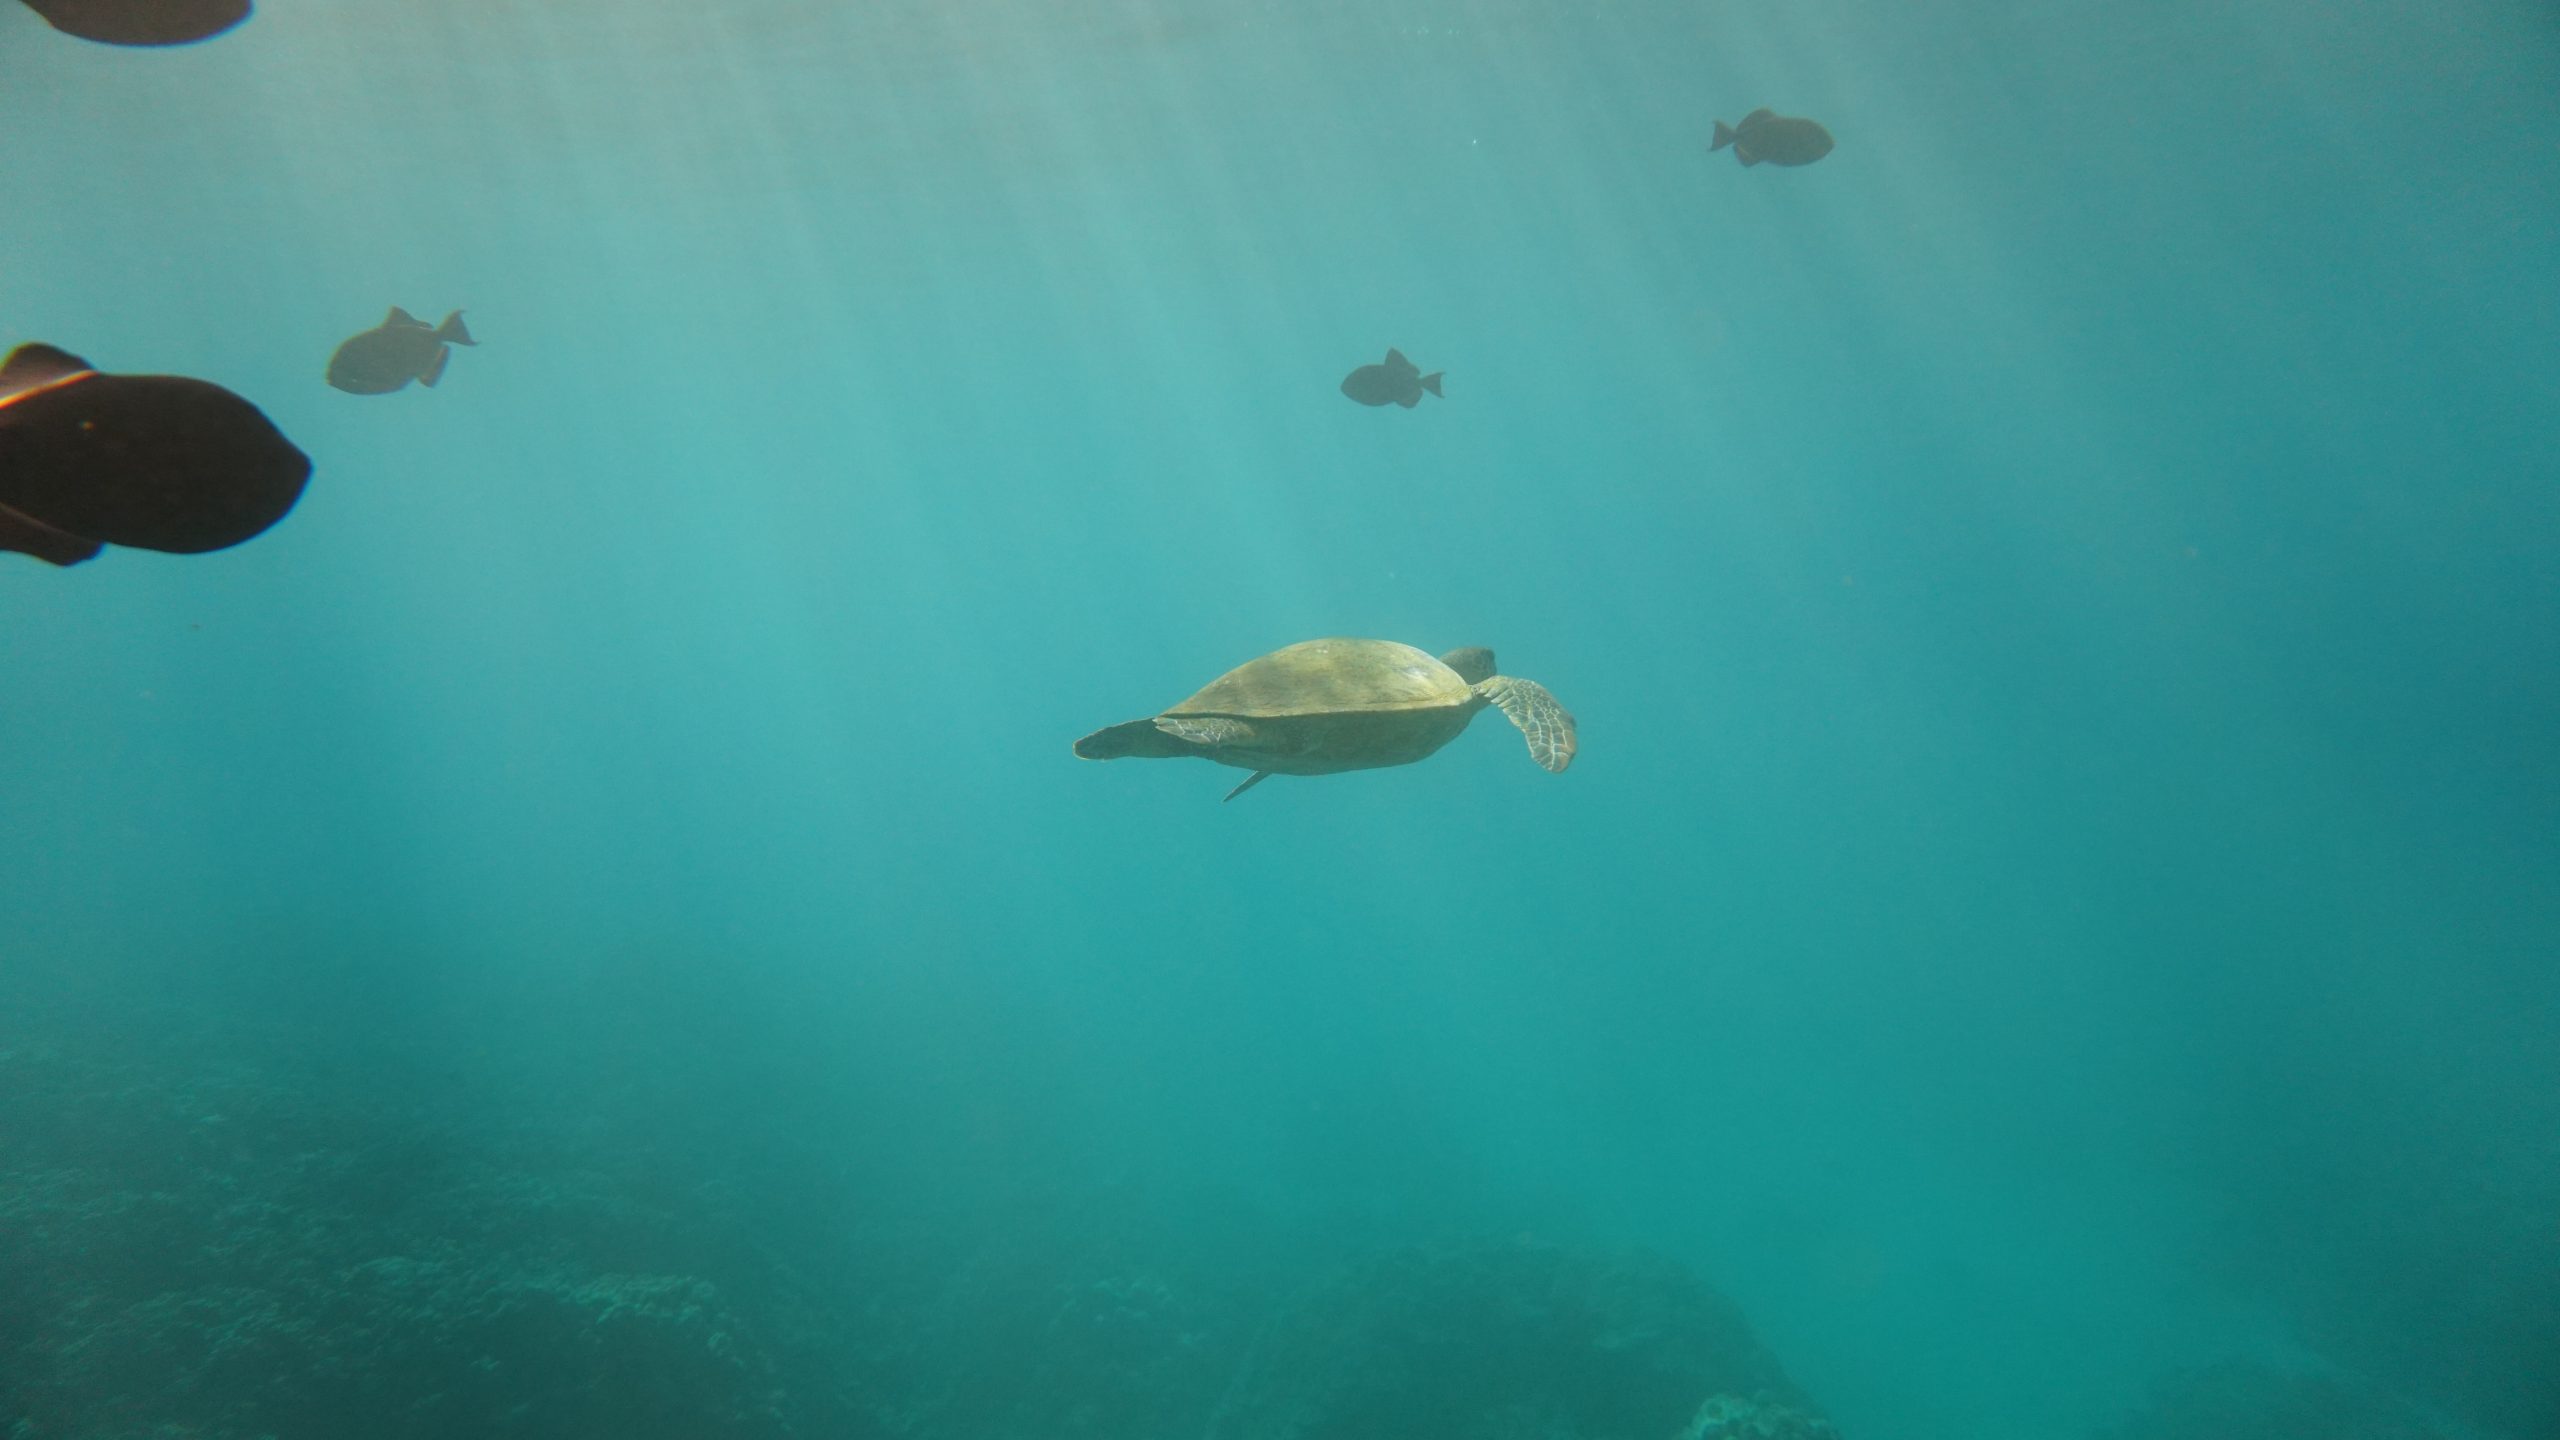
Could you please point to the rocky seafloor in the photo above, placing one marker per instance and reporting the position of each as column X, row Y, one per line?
column 200, row 1244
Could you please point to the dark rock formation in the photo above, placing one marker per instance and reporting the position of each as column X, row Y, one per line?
column 234, row 1257
column 1505, row 1340
column 229, row 1238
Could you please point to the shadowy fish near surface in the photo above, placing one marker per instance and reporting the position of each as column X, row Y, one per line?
column 395, row 352
column 1779, row 139
column 157, row 462
column 142, row 22
column 1396, row 381
column 1321, row 707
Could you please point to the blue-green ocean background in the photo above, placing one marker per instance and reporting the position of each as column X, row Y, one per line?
column 2062, row 600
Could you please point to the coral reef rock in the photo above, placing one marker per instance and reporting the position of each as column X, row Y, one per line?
column 1505, row 1340
column 1755, row 1417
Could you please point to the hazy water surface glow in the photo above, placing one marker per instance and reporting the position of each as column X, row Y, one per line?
column 2062, row 599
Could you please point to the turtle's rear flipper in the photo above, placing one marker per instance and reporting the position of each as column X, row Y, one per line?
column 1141, row 738
column 1527, row 704
column 1256, row 778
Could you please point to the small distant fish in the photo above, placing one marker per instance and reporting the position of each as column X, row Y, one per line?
column 159, row 462
column 395, row 352
column 1779, row 139
column 142, row 22
column 1398, row 381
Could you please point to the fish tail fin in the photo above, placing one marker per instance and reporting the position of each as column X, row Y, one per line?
column 452, row 333
column 1431, row 382
column 34, row 537
column 1724, row 136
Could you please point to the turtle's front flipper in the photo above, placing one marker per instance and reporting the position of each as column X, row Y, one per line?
column 1527, row 704
column 1252, row 780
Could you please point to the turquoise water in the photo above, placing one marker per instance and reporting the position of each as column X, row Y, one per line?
column 2060, row 599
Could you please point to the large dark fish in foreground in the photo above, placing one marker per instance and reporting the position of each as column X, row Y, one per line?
column 159, row 462
column 395, row 352
column 142, row 22
column 1778, row 139
column 1398, row 381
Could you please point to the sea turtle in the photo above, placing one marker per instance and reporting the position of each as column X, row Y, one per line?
column 1324, row 706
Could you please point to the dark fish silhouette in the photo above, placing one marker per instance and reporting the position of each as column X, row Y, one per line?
column 142, row 22
column 395, row 352
column 1778, row 139
column 1396, row 382
column 160, row 462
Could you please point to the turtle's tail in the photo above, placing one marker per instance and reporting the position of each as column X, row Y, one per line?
column 1136, row 737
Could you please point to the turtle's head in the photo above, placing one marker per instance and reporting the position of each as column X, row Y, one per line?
column 1474, row 663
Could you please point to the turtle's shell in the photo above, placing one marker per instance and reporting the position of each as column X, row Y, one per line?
column 1332, row 677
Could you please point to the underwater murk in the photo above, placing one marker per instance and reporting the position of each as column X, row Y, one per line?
column 1884, row 679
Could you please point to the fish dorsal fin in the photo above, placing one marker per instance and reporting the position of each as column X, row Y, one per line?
column 39, row 364
column 399, row 316
column 32, row 366
column 1756, row 116
column 1396, row 360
